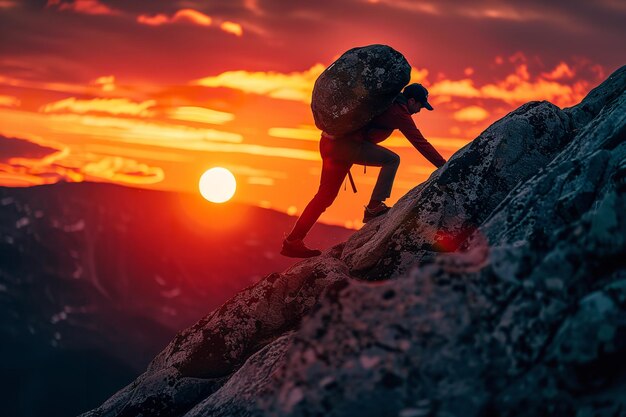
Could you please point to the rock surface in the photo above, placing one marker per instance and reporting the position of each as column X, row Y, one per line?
column 358, row 86
column 503, row 293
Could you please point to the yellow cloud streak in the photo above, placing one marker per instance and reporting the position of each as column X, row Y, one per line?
column 167, row 156
column 93, row 7
column 200, row 115
column 189, row 15
column 105, row 105
column 139, row 132
column 459, row 88
column 107, row 83
column 9, row 101
column 118, row 169
column 82, row 89
column 193, row 16
column 297, row 86
column 231, row 27
column 301, row 133
column 471, row 114
column 248, row 171
column 260, row 181
column 72, row 165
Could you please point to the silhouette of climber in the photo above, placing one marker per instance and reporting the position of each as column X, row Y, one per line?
column 361, row 147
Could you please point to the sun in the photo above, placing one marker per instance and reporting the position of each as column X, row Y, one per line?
column 217, row 185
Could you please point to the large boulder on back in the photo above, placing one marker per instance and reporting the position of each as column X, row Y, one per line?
column 358, row 86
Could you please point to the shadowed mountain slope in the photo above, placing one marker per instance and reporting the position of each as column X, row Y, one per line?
column 95, row 279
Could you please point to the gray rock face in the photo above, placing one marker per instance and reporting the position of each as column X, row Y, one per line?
column 508, row 295
column 439, row 214
column 358, row 86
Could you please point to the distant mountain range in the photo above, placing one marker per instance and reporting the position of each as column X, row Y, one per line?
column 96, row 278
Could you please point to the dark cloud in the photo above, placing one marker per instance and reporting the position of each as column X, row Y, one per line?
column 21, row 148
column 292, row 36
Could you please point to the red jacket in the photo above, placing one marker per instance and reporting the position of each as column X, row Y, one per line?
column 398, row 117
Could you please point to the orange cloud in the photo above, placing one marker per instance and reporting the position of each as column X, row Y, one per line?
column 82, row 89
column 171, row 136
column 560, row 71
column 200, row 115
column 192, row 16
column 126, row 131
column 9, row 101
column 515, row 91
column 505, row 12
column 131, row 152
column 471, row 114
column 15, row 147
column 184, row 15
column 260, row 181
column 458, row 88
column 118, row 169
column 243, row 170
column 156, row 20
column 104, row 105
column 138, row 131
column 418, row 75
column 408, row 5
column 49, row 162
column 302, row 133
column 297, row 86
column 93, row 7
column 517, row 87
column 231, row 27
column 28, row 171
column 107, row 83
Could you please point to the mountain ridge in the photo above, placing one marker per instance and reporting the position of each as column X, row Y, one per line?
column 503, row 292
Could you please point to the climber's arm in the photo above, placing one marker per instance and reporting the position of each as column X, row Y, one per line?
column 411, row 132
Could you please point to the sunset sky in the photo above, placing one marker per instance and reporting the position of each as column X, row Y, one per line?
column 152, row 93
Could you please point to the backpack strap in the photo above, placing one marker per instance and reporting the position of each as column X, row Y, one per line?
column 351, row 181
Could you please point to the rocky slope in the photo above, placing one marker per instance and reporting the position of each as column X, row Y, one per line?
column 500, row 291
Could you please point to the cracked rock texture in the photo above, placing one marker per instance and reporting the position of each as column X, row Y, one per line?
column 500, row 291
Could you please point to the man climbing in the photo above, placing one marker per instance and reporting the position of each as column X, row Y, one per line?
column 361, row 147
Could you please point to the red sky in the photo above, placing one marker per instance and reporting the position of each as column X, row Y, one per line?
column 151, row 93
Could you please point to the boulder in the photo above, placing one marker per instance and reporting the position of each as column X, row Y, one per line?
column 357, row 87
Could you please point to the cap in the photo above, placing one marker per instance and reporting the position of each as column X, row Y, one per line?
column 419, row 93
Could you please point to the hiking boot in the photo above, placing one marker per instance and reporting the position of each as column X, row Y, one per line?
column 297, row 249
column 379, row 210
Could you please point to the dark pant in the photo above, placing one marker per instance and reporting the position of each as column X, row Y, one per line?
column 337, row 158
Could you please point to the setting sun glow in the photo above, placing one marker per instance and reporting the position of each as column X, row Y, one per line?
column 217, row 185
